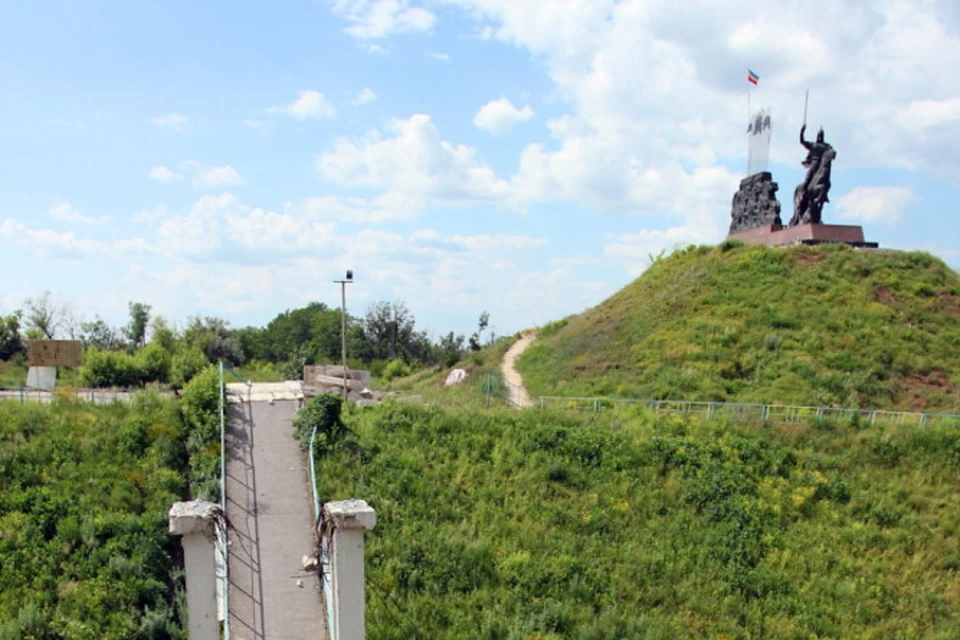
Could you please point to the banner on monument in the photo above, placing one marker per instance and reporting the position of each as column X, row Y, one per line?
column 54, row 353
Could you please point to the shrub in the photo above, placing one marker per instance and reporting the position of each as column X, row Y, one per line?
column 153, row 363
column 396, row 369
column 108, row 369
column 324, row 413
column 200, row 407
column 185, row 364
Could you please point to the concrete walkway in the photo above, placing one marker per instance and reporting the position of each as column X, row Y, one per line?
column 270, row 506
column 518, row 396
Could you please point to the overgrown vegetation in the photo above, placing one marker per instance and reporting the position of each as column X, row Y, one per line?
column 84, row 548
column 823, row 326
column 525, row 525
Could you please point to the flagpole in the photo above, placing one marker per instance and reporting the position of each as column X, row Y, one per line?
column 749, row 146
column 806, row 102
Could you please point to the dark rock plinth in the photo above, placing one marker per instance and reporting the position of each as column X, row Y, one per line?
column 755, row 204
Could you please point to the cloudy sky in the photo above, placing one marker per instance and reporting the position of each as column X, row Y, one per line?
column 516, row 156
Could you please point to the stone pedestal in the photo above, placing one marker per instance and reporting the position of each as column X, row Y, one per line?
column 195, row 522
column 349, row 519
column 773, row 235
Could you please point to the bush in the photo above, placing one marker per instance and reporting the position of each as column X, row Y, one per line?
column 324, row 413
column 153, row 363
column 396, row 369
column 108, row 369
column 185, row 364
column 200, row 407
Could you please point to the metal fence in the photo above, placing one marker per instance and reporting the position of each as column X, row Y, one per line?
column 96, row 396
column 749, row 412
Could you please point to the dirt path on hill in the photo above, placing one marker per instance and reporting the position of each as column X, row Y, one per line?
column 518, row 396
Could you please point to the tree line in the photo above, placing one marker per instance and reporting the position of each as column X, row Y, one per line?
column 148, row 348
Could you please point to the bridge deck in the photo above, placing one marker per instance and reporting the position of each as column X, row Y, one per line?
column 270, row 508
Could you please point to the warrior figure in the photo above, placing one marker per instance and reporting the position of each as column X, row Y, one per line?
column 811, row 195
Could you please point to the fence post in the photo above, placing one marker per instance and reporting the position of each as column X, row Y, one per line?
column 342, row 528
column 195, row 522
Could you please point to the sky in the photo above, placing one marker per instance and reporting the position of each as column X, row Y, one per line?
column 524, row 158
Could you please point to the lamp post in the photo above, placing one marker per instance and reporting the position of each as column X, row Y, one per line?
column 343, row 325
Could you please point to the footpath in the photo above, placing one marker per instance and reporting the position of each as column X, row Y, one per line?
column 270, row 507
column 517, row 394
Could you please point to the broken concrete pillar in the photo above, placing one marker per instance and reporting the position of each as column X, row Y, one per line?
column 195, row 522
column 346, row 522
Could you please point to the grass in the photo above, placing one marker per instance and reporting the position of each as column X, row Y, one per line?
column 427, row 386
column 530, row 525
column 13, row 375
column 822, row 326
column 84, row 548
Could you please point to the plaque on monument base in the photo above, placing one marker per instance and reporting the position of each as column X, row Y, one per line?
column 774, row 235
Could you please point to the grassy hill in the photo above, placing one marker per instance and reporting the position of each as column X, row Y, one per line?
column 824, row 326
column 507, row 525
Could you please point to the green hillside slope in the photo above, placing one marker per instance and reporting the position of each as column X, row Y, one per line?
column 825, row 326
column 510, row 525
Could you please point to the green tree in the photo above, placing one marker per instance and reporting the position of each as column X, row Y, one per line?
column 99, row 334
column 482, row 324
column 43, row 316
column 162, row 334
column 214, row 337
column 390, row 329
column 136, row 329
column 11, row 343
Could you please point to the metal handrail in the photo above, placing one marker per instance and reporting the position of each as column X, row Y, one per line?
column 323, row 559
column 223, row 494
column 771, row 412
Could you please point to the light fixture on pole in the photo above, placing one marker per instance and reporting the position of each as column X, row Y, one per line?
column 343, row 324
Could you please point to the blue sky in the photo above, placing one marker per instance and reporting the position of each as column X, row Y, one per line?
column 524, row 158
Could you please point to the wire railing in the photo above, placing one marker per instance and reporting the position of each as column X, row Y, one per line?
column 223, row 541
column 26, row 394
column 756, row 412
column 324, row 559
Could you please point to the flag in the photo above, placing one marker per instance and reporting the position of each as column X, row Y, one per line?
column 752, row 77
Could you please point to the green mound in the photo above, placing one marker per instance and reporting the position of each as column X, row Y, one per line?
column 531, row 525
column 822, row 326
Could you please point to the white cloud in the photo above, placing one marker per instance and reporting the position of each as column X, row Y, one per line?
column 881, row 205
column 366, row 96
column 173, row 121
column 164, row 174
column 310, row 104
column 439, row 55
column 647, row 82
column 49, row 243
column 636, row 251
column 211, row 177
column 413, row 160
column 499, row 116
column 64, row 212
column 388, row 207
column 372, row 19
column 224, row 227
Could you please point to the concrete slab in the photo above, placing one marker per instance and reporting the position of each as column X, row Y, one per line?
column 270, row 506
column 239, row 392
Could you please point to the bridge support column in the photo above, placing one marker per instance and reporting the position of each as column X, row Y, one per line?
column 342, row 528
column 195, row 522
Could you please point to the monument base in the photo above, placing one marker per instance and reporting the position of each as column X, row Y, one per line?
column 774, row 235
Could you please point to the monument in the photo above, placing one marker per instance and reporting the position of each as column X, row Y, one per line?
column 812, row 193
column 755, row 210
